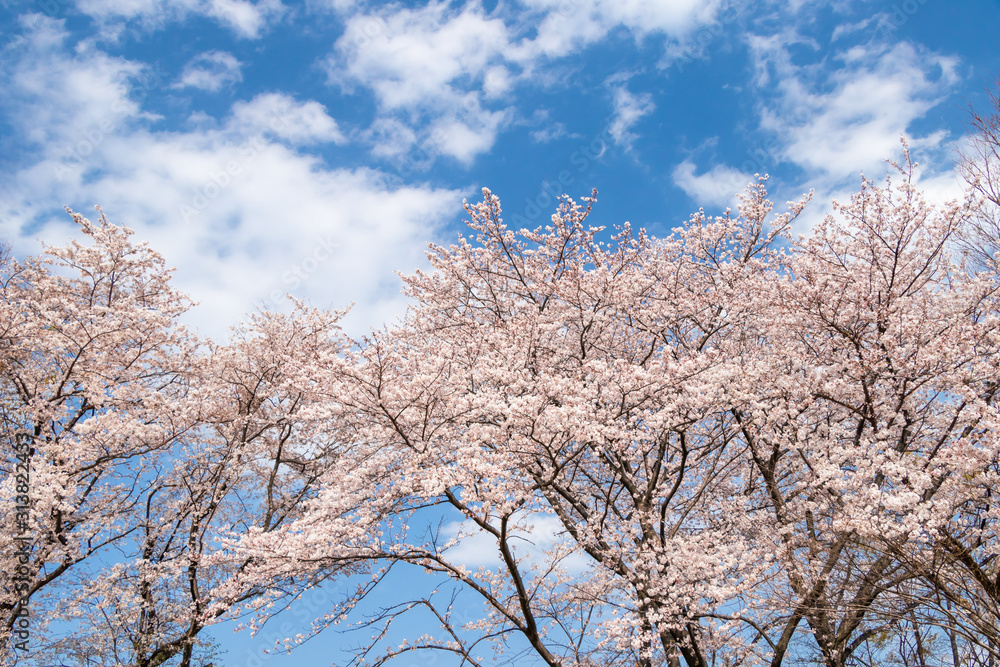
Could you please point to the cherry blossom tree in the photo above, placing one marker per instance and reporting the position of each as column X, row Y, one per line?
column 871, row 395
column 980, row 167
column 747, row 444
column 553, row 376
column 92, row 376
column 958, row 559
column 722, row 447
column 259, row 445
column 146, row 446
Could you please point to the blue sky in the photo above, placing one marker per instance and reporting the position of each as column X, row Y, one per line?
column 269, row 147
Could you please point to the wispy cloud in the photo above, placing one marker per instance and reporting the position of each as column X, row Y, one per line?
column 567, row 26
column 717, row 187
column 282, row 117
column 210, row 71
column 246, row 19
column 837, row 118
column 551, row 132
column 533, row 537
column 628, row 110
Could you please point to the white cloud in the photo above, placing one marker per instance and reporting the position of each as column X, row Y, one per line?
column 247, row 19
column 390, row 138
column 461, row 141
column 497, row 81
column 340, row 6
column 848, row 29
column 467, row 134
column 244, row 217
column 551, row 132
column 281, row 116
column 440, row 67
column 94, row 97
column 570, row 25
column 716, row 187
column 628, row 110
column 431, row 70
column 420, row 57
column 210, row 71
column 531, row 536
column 940, row 187
column 835, row 122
